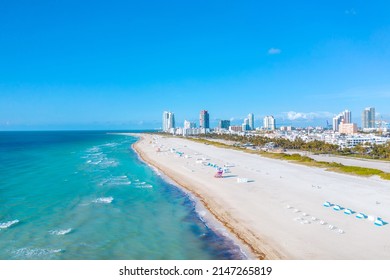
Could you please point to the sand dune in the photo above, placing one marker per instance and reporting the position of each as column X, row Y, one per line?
column 279, row 213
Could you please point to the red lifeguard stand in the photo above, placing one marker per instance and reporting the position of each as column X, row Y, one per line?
column 219, row 174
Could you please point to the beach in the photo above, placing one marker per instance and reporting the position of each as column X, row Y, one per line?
column 276, row 207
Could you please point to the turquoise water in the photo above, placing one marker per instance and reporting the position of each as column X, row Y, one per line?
column 86, row 195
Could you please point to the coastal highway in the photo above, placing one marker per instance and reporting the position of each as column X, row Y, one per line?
column 368, row 163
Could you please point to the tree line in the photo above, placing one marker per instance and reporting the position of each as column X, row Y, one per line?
column 363, row 150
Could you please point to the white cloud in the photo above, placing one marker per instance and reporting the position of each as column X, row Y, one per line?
column 274, row 51
column 292, row 115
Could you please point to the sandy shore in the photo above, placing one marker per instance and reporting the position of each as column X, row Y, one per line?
column 279, row 214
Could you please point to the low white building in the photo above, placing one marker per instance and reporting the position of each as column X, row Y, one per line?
column 352, row 141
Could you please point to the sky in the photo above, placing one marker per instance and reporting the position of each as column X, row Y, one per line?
column 119, row 64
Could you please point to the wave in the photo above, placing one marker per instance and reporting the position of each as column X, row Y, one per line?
column 110, row 145
column 60, row 232
column 108, row 163
column 8, row 224
column 137, row 182
column 94, row 162
column 102, row 161
column 115, row 181
column 93, row 150
column 35, row 252
column 145, row 186
column 103, row 200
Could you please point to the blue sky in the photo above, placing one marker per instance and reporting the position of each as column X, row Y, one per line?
column 119, row 64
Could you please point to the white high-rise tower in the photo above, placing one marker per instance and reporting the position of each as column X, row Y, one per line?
column 168, row 121
column 269, row 123
column 368, row 118
column 251, row 119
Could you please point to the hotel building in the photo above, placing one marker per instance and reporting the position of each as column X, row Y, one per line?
column 368, row 118
column 168, row 121
column 269, row 123
column 348, row 128
column 224, row 124
column 251, row 118
column 204, row 119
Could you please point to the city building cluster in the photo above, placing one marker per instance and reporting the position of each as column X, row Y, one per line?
column 343, row 131
column 224, row 126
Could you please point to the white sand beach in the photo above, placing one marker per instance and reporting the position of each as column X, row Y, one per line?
column 279, row 212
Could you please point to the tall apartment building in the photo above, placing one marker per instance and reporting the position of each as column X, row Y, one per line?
column 269, row 123
column 168, row 121
column 337, row 120
column 251, row 118
column 347, row 116
column 204, row 119
column 224, row 124
column 188, row 124
column 344, row 117
column 368, row 118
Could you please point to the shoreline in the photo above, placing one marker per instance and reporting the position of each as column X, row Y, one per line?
column 245, row 242
column 203, row 212
column 207, row 217
column 279, row 211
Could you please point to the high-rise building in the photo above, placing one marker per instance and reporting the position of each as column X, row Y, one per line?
column 344, row 117
column 204, row 119
column 368, row 118
column 168, row 121
column 269, row 123
column 347, row 116
column 245, row 125
column 251, row 118
column 224, row 124
column 188, row 124
column 337, row 121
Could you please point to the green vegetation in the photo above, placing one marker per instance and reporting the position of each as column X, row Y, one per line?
column 374, row 151
column 297, row 158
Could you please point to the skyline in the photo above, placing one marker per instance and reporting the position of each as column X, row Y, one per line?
column 119, row 65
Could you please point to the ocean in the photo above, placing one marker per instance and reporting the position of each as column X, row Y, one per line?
column 86, row 195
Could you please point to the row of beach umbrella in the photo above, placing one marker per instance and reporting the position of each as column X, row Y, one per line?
column 347, row 211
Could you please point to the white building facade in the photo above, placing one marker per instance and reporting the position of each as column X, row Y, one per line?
column 168, row 121
column 269, row 123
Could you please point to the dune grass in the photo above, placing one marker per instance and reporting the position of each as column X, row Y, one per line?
column 304, row 160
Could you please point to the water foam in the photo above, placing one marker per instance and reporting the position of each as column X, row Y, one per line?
column 93, row 150
column 144, row 186
column 8, row 224
column 111, row 144
column 115, row 181
column 61, row 231
column 108, row 163
column 35, row 252
column 104, row 200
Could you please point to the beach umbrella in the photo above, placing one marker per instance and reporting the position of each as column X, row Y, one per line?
column 327, row 204
column 348, row 211
column 361, row 216
column 337, row 208
column 379, row 222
